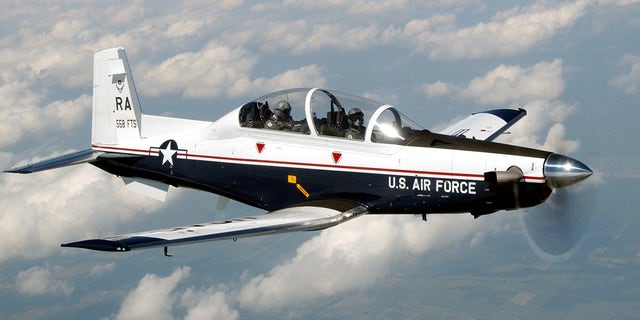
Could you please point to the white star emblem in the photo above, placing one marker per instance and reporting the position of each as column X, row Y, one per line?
column 167, row 154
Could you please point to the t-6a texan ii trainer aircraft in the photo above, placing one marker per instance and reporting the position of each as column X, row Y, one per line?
column 312, row 158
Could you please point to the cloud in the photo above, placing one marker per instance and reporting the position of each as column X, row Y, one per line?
column 207, row 304
column 351, row 256
column 419, row 34
column 338, row 37
column 630, row 82
column 56, row 46
column 153, row 297
column 507, row 33
column 44, row 209
column 26, row 113
column 159, row 298
column 101, row 269
column 35, row 121
column 507, row 84
column 184, row 28
column 199, row 74
column 307, row 76
column 302, row 36
column 218, row 5
column 41, row 281
column 376, row 7
column 363, row 7
column 514, row 84
column 220, row 70
column 436, row 89
column 618, row 2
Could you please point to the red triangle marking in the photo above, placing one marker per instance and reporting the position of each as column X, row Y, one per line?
column 336, row 156
column 260, row 146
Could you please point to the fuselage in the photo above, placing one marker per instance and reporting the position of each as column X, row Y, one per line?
column 393, row 167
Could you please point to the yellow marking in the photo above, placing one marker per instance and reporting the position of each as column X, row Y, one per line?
column 306, row 194
column 291, row 179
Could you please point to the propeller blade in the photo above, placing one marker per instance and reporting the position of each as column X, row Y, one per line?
column 554, row 229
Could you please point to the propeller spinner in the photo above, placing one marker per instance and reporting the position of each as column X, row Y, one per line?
column 562, row 171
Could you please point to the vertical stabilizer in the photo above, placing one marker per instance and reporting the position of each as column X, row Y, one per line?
column 116, row 109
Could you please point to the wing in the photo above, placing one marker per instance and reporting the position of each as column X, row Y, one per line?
column 58, row 162
column 302, row 218
column 486, row 125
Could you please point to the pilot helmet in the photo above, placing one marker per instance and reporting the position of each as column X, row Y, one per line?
column 356, row 117
column 282, row 109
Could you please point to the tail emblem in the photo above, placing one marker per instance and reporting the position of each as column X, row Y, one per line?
column 119, row 85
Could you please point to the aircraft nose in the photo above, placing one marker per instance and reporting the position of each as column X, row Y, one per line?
column 561, row 171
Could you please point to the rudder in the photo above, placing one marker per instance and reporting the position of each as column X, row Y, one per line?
column 116, row 116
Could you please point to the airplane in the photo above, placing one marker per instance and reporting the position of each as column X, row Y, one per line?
column 312, row 158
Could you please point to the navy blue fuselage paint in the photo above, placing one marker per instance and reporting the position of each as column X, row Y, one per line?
column 379, row 192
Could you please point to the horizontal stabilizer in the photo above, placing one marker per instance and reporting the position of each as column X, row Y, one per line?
column 58, row 162
column 305, row 218
column 486, row 125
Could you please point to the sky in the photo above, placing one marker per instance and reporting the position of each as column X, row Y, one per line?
column 573, row 65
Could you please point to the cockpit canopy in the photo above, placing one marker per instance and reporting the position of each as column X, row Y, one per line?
column 325, row 113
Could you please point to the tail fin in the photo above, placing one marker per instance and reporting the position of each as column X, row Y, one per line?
column 116, row 109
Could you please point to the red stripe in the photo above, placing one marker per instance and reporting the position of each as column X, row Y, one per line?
column 330, row 166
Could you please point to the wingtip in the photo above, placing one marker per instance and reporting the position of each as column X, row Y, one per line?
column 20, row 170
column 97, row 244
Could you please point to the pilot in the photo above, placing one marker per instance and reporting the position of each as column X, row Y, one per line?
column 356, row 129
column 281, row 117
